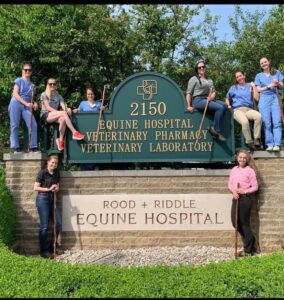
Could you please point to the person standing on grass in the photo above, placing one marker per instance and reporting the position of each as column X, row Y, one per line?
column 242, row 184
column 51, row 102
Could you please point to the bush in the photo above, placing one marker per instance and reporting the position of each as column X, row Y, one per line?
column 7, row 213
column 250, row 277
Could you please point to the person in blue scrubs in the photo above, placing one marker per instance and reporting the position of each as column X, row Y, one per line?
column 89, row 105
column 268, row 84
column 241, row 98
column 21, row 106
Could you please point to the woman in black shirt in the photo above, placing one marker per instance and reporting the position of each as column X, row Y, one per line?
column 47, row 182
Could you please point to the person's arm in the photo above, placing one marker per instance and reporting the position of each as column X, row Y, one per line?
column 254, row 91
column 231, row 187
column 228, row 102
column 188, row 101
column 16, row 94
column 253, row 182
column 64, row 107
column 47, row 106
column 38, row 188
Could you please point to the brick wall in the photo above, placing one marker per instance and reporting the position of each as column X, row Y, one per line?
column 267, row 216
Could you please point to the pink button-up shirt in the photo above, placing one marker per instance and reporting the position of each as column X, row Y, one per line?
column 246, row 177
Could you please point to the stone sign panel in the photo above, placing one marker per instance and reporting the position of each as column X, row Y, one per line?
column 116, row 212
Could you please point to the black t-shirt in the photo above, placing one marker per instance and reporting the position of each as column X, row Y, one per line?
column 46, row 179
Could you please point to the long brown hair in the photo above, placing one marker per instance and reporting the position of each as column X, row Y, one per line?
column 272, row 70
column 250, row 161
column 47, row 88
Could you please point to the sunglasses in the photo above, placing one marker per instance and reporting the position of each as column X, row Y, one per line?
column 201, row 67
column 52, row 83
column 27, row 70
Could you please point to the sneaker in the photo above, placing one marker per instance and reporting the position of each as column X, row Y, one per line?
column 242, row 253
column 60, row 144
column 276, row 148
column 77, row 135
column 257, row 142
column 35, row 150
column 221, row 138
column 213, row 132
column 269, row 148
column 17, row 150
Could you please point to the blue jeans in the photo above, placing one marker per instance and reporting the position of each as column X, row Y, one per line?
column 44, row 204
column 271, row 117
column 217, row 107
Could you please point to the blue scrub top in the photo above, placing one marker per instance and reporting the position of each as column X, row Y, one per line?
column 85, row 106
column 25, row 89
column 262, row 80
column 241, row 95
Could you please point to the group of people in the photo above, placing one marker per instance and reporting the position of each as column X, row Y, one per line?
column 22, row 105
column 241, row 98
column 200, row 95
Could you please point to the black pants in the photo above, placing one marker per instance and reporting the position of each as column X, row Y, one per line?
column 244, row 209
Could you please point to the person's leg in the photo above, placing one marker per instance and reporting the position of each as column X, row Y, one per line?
column 15, row 112
column 43, row 205
column 54, row 116
column 256, row 117
column 218, row 108
column 27, row 115
column 276, row 122
column 265, row 111
column 240, row 115
column 244, row 220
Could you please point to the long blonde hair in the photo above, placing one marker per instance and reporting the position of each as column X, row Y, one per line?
column 47, row 88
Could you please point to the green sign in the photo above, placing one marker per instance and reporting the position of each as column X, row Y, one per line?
column 147, row 121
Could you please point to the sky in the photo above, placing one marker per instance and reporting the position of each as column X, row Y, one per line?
column 224, row 30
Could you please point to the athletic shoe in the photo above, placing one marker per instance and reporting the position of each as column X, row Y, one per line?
column 77, row 136
column 46, row 255
column 18, row 150
column 276, row 148
column 269, row 148
column 35, row 149
column 60, row 144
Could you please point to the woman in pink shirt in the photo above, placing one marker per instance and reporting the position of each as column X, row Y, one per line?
column 242, row 183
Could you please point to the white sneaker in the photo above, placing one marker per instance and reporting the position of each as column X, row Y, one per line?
column 269, row 148
column 276, row 148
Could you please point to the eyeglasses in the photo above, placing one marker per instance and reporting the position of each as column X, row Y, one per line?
column 201, row 67
column 52, row 83
column 27, row 70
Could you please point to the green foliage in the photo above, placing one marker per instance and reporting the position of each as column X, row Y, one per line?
column 255, row 277
column 7, row 213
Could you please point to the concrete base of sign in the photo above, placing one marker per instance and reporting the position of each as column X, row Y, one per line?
column 267, row 216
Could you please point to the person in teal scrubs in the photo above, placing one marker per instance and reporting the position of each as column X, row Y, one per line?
column 268, row 84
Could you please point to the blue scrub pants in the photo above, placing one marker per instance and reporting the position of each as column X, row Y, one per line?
column 17, row 111
column 217, row 107
column 271, row 117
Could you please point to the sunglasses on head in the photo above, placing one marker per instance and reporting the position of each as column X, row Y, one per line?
column 52, row 83
column 27, row 70
column 201, row 67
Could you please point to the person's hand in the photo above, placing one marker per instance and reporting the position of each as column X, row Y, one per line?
column 190, row 108
column 53, row 188
column 69, row 111
column 252, row 84
column 35, row 106
column 229, row 106
column 274, row 82
column 102, row 108
column 236, row 195
column 75, row 110
column 29, row 105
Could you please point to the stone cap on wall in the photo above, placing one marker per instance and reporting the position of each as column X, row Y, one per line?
column 25, row 156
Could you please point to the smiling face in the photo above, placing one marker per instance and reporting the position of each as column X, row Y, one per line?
column 264, row 63
column 201, row 69
column 52, row 84
column 52, row 164
column 90, row 95
column 242, row 159
column 240, row 77
column 27, row 71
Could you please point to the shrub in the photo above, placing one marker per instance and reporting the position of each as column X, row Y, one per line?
column 7, row 213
